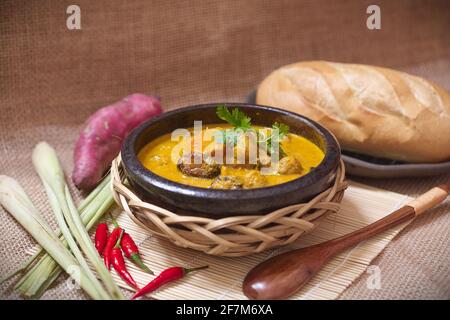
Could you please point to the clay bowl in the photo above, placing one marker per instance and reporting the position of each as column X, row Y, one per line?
column 215, row 203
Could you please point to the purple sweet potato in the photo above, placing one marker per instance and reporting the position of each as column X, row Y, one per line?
column 101, row 139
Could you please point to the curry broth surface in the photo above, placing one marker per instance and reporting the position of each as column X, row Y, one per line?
column 156, row 157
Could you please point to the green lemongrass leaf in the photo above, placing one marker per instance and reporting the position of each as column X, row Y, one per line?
column 25, row 281
column 13, row 273
column 41, row 270
column 106, row 202
column 47, row 166
column 26, row 265
column 64, row 225
column 91, row 252
column 14, row 199
column 37, row 283
column 90, row 214
column 85, row 217
column 93, row 194
column 49, row 169
column 49, row 280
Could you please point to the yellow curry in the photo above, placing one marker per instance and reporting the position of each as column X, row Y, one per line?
column 298, row 157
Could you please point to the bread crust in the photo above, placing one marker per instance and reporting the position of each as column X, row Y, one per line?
column 371, row 110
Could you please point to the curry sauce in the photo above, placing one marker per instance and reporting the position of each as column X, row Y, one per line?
column 301, row 155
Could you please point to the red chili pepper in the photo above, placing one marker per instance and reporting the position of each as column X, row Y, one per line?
column 168, row 275
column 131, row 251
column 101, row 237
column 114, row 236
column 119, row 263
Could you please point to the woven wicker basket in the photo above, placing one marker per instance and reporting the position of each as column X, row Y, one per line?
column 231, row 236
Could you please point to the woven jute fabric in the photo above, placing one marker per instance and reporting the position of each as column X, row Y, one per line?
column 188, row 52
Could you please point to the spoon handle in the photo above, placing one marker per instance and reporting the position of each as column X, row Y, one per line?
column 282, row 275
column 430, row 199
column 421, row 204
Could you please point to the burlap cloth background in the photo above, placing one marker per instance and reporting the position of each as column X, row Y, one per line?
column 189, row 52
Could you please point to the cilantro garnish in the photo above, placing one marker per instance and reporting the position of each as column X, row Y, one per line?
column 283, row 129
column 240, row 121
column 236, row 118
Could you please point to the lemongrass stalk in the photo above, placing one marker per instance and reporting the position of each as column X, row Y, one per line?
column 93, row 194
column 94, row 208
column 50, row 279
column 14, row 199
column 91, row 213
column 23, row 198
column 52, row 177
column 101, row 207
column 40, row 280
column 42, row 269
column 26, row 280
column 29, row 262
column 49, row 169
column 65, row 227
column 89, row 249
column 91, row 209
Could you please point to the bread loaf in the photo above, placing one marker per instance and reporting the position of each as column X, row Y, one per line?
column 371, row 110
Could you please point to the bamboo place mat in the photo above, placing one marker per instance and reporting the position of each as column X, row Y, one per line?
column 361, row 206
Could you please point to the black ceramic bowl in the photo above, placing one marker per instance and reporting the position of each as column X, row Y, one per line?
column 216, row 203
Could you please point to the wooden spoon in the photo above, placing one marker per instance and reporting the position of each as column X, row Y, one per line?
column 282, row 275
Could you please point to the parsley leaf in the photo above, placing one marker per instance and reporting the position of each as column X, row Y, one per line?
column 283, row 129
column 237, row 118
column 271, row 148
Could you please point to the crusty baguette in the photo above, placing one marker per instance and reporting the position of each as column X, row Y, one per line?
column 371, row 110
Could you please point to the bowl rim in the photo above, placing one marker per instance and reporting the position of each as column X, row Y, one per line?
column 132, row 164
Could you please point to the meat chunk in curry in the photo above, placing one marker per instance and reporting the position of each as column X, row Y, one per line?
column 253, row 179
column 289, row 165
column 227, row 182
column 198, row 165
